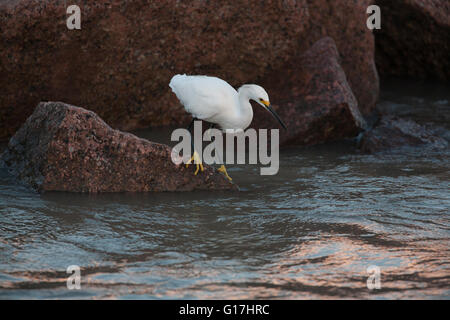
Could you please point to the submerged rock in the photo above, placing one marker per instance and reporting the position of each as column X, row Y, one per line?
column 66, row 148
column 390, row 133
column 321, row 106
column 126, row 52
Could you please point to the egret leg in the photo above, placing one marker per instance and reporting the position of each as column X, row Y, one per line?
column 195, row 157
column 224, row 171
column 222, row 167
column 196, row 160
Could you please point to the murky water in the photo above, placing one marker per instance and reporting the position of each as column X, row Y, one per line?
column 309, row 232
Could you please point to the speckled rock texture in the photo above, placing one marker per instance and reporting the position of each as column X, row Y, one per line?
column 414, row 39
column 391, row 133
column 123, row 57
column 345, row 22
column 322, row 96
column 65, row 148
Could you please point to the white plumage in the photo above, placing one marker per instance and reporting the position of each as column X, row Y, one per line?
column 213, row 100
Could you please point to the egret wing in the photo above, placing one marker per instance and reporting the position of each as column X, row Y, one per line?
column 203, row 97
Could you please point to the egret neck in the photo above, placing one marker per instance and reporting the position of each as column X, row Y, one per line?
column 245, row 108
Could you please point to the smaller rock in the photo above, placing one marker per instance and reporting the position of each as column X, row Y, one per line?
column 66, row 148
column 390, row 133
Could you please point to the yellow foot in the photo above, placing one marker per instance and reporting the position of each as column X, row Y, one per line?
column 224, row 171
column 196, row 160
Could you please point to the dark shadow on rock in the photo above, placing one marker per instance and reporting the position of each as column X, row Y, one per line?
column 414, row 39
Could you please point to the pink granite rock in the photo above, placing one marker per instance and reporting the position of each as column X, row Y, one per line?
column 65, row 148
column 122, row 59
column 345, row 22
column 321, row 106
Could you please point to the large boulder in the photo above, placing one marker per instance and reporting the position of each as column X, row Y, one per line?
column 123, row 57
column 321, row 106
column 414, row 39
column 65, row 148
column 392, row 133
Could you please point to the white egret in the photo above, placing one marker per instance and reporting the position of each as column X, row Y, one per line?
column 215, row 101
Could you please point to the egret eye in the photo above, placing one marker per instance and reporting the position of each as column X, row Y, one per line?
column 264, row 102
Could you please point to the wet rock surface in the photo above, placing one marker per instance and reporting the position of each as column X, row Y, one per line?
column 66, row 148
column 414, row 39
column 122, row 59
column 321, row 107
column 393, row 133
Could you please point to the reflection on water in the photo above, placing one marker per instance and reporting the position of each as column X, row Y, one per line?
column 309, row 232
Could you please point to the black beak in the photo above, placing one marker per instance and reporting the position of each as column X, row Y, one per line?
column 276, row 117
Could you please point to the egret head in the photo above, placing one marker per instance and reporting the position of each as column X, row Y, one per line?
column 258, row 94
